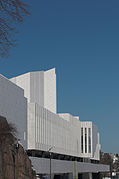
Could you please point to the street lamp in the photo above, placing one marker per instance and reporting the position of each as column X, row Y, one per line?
column 50, row 158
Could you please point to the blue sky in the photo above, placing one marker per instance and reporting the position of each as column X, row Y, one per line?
column 81, row 39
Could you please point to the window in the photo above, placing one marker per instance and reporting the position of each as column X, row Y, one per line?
column 82, row 140
column 85, row 140
column 89, row 140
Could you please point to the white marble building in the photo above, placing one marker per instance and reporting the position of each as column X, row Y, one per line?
column 29, row 102
column 45, row 128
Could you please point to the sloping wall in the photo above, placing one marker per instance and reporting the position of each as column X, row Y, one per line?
column 13, row 106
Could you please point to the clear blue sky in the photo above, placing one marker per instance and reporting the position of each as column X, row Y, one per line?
column 81, row 39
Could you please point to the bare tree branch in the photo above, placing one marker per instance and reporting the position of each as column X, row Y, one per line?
column 7, row 131
column 12, row 12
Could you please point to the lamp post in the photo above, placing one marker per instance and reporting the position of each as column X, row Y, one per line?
column 110, row 171
column 50, row 159
column 50, row 165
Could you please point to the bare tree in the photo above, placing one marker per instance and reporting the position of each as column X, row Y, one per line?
column 106, row 159
column 7, row 131
column 12, row 12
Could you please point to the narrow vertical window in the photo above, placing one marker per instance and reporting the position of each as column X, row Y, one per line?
column 89, row 140
column 85, row 140
column 82, row 140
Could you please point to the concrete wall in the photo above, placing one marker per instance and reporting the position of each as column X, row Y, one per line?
column 13, row 106
column 42, row 165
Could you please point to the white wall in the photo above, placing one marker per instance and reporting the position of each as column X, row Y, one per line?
column 73, row 136
column 63, row 131
column 52, row 130
column 50, row 90
column 13, row 107
column 95, row 143
column 23, row 81
column 39, row 87
column 87, row 125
